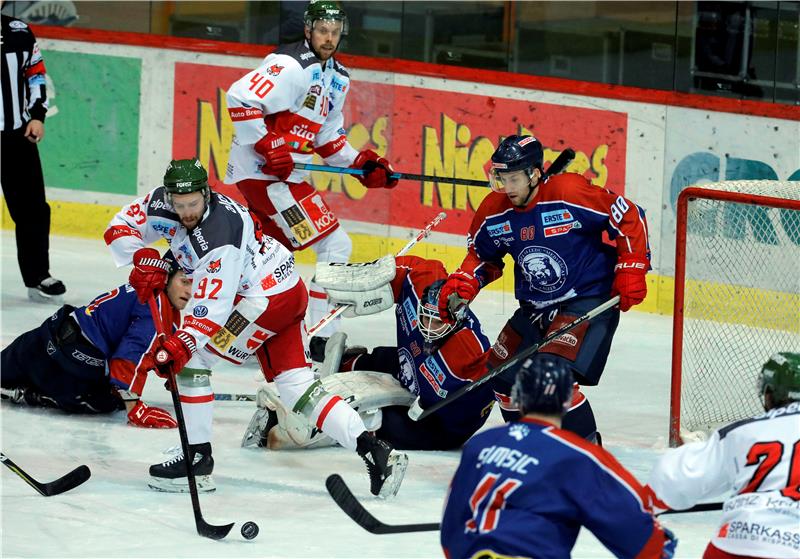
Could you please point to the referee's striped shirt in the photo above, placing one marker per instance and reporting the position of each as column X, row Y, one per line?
column 22, row 83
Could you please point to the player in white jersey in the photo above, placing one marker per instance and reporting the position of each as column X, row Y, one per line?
column 283, row 112
column 247, row 299
column 758, row 460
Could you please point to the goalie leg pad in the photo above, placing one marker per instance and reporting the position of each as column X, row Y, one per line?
column 357, row 276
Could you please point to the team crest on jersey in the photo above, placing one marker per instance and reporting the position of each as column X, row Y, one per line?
column 214, row 266
column 274, row 70
column 407, row 376
column 543, row 268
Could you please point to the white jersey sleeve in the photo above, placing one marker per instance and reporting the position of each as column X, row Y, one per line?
column 273, row 87
column 132, row 228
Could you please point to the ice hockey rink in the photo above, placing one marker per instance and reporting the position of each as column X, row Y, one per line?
column 114, row 514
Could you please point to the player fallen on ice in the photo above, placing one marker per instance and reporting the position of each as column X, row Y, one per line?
column 430, row 360
column 95, row 358
column 553, row 230
column 756, row 462
column 526, row 488
column 283, row 112
column 247, row 299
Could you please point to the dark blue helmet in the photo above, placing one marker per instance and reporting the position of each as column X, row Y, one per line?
column 543, row 385
column 432, row 327
column 518, row 152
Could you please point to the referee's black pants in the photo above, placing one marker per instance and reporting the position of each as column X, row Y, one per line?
column 23, row 188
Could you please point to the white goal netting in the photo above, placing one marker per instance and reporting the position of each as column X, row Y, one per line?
column 741, row 297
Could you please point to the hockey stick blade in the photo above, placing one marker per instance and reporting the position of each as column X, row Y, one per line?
column 61, row 485
column 351, row 506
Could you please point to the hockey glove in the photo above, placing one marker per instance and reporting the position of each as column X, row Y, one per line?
column 172, row 354
column 277, row 157
column 150, row 273
column 670, row 543
column 142, row 415
column 378, row 170
column 457, row 292
column 629, row 282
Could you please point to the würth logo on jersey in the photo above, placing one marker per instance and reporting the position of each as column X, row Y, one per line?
column 243, row 113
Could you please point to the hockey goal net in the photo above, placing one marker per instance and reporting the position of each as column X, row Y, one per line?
column 737, row 298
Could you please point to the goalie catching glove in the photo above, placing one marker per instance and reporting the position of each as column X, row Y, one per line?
column 364, row 288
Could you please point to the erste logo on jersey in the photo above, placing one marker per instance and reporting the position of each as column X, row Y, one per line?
column 499, row 229
column 543, row 268
column 559, row 222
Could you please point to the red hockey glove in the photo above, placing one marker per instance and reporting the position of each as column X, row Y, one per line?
column 457, row 292
column 142, row 415
column 629, row 282
column 377, row 170
column 150, row 273
column 172, row 354
column 277, row 157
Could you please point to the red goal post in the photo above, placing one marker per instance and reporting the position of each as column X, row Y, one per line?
column 737, row 298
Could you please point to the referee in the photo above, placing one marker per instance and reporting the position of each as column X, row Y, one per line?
column 24, row 99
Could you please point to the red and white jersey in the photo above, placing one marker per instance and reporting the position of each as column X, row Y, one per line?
column 759, row 460
column 225, row 255
column 296, row 96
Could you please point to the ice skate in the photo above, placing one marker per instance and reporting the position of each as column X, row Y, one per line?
column 386, row 467
column 257, row 432
column 49, row 290
column 170, row 475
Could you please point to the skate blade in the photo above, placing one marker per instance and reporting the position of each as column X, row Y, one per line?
column 36, row 296
column 205, row 484
column 390, row 487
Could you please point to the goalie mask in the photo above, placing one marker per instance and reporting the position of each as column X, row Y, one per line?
column 430, row 324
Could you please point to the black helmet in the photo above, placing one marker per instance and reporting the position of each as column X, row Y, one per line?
column 543, row 385
column 429, row 307
column 515, row 153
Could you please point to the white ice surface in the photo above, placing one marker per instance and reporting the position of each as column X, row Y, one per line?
column 114, row 514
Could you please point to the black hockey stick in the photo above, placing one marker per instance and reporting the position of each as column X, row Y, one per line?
column 56, row 487
column 353, row 508
column 556, row 167
column 416, row 412
column 203, row 528
column 702, row 507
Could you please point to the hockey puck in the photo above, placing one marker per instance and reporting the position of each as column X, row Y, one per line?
column 249, row 530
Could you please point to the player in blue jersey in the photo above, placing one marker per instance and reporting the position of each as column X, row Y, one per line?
column 93, row 359
column 553, row 230
column 526, row 488
column 431, row 359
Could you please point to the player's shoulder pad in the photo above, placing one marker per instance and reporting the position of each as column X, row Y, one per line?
column 495, row 203
column 341, row 68
column 299, row 52
column 566, row 182
column 157, row 205
column 223, row 226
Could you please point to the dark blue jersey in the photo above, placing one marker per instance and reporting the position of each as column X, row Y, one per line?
column 122, row 329
column 447, row 365
column 556, row 241
column 526, row 488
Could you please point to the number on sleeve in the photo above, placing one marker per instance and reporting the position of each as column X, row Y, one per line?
column 260, row 85
column 618, row 209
